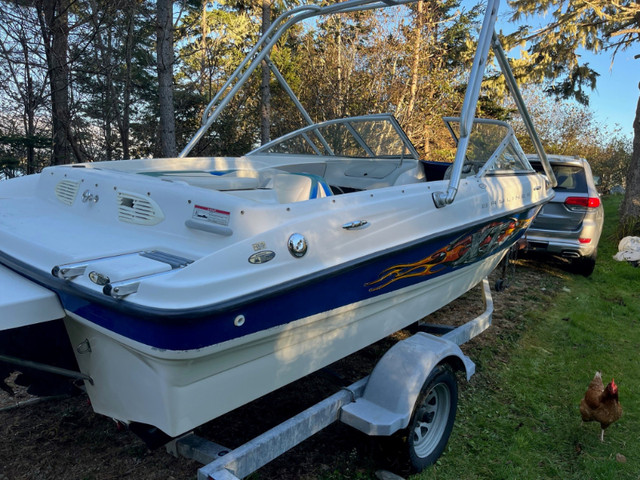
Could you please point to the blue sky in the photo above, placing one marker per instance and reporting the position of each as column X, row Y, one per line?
column 616, row 96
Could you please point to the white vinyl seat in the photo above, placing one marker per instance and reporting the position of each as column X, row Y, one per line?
column 297, row 187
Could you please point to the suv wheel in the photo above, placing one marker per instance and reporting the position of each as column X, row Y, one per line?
column 584, row 265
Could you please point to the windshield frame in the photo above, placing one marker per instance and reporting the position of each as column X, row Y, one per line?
column 490, row 165
column 315, row 130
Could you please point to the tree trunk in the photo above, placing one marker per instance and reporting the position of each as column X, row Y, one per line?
column 124, row 124
column 30, row 105
column 340, row 107
column 630, row 208
column 123, row 118
column 204, row 31
column 164, row 50
column 265, row 91
column 110, row 96
column 54, row 24
column 53, row 16
column 417, row 49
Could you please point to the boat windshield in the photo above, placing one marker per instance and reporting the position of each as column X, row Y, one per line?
column 492, row 148
column 374, row 136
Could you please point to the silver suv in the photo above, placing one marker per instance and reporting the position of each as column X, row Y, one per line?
column 569, row 226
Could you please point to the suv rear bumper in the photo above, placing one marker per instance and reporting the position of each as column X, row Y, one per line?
column 537, row 241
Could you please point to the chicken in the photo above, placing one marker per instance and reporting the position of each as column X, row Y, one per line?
column 601, row 404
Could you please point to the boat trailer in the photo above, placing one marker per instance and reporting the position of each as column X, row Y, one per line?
column 407, row 388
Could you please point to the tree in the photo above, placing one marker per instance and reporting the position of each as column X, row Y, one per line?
column 630, row 208
column 164, row 48
column 552, row 56
column 212, row 40
column 566, row 127
column 24, row 87
column 265, row 90
column 54, row 24
column 410, row 62
column 114, row 76
column 440, row 60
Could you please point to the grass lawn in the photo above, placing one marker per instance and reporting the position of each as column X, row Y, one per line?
column 519, row 417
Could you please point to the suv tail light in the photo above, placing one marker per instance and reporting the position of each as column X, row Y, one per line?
column 589, row 202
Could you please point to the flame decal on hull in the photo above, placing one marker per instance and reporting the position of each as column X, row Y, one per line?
column 466, row 249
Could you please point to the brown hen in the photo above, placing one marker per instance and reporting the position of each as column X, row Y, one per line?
column 601, row 404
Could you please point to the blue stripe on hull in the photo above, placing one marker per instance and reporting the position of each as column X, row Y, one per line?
column 327, row 290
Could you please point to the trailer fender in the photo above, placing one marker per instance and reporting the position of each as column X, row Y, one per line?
column 395, row 383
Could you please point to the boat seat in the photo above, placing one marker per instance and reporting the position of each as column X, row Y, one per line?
column 297, row 187
column 411, row 173
column 214, row 180
column 221, row 183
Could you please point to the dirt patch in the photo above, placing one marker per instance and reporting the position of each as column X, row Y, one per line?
column 62, row 438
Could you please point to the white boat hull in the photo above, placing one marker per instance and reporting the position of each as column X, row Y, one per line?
column 196, row 341
column 180, row 390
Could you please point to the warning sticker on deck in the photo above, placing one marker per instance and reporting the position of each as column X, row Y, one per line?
column 212, row 215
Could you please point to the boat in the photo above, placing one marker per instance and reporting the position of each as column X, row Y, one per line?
column 191, row 286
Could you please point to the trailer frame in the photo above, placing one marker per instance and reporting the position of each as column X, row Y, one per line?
column 365, row 405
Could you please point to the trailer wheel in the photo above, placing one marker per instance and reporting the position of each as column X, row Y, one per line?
column 432, row 419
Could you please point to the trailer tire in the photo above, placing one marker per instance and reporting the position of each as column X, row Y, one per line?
column 432, row 419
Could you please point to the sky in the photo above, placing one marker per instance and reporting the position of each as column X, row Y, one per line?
column 615, row 98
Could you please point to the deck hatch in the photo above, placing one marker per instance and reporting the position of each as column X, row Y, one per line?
column 137, row 209
column 66, row 191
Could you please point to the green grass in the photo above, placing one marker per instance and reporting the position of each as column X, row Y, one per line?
column 520, row 418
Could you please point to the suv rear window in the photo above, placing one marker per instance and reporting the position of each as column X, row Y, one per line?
column 570, row 177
